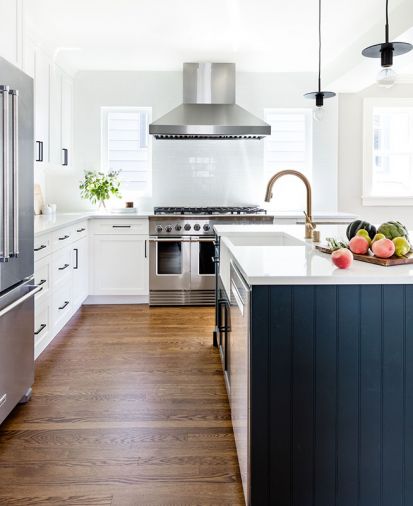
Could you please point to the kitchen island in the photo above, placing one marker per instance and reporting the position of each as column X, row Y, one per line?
column 319, row 369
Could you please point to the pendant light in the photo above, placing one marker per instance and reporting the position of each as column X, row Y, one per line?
column 319, row 95
column 386, row 51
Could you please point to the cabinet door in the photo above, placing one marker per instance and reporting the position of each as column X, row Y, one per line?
column 67, row 119
column 80, row 264
column 55, row 115
column 41, row 106
column 119, row 265
column 11, row 30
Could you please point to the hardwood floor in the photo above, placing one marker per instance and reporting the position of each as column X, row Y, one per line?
column 129, row 408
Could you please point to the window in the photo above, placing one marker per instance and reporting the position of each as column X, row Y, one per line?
column 388, row 152
column 288, row 147
column 126, row 146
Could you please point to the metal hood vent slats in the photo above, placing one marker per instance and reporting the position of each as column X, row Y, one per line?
column 209, row 110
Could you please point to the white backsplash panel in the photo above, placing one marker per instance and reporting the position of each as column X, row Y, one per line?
column 208, row 172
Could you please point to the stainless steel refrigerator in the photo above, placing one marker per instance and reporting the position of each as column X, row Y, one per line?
column 16, row 238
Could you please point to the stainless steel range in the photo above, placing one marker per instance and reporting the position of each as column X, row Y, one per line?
column 182, row 251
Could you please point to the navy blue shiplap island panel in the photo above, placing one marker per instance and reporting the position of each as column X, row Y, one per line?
column 331, row 399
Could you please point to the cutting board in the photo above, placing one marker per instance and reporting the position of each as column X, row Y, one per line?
column 38, row 199
column 371, row 259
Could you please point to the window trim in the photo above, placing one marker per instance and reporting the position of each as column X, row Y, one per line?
column 104, row 142
column 367, row 198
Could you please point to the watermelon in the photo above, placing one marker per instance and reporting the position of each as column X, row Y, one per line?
column 357, row 225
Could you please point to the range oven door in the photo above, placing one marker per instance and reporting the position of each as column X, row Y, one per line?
column 202, row 263
column 169, row 263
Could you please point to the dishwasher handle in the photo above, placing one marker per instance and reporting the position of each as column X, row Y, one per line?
column 33, row 289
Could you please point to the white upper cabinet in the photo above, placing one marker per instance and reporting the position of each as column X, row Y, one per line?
column 61, row 117
column 11, row 31
column 67, row 119
column 42, row 70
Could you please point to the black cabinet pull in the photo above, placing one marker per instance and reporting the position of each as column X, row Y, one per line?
column 146, row 253
column 77, row 258
column 43, row 246
column 65, row 160
column 64, row 267
column 64, row 237
column 66, row 303
column 39, row 151
column 81, row 230
column 121, row 226
column 42, row 327
column 41, row 282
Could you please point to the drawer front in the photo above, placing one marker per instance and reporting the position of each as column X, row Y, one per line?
column 62, row 237
column 61, row 306
column 42, row 246
column 43, row 276
column 80, row 230
column 41, row 321
column 121, row 227
column 61, row 267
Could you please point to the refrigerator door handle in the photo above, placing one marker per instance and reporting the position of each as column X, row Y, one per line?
column 4, row 91
column 15, row 169
column 33, row 289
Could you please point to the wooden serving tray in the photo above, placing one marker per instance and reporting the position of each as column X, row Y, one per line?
column 371, row 259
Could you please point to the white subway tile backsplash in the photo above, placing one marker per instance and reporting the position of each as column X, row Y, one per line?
column 208, row 172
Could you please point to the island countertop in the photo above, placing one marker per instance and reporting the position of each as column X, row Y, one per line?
column 298, row 262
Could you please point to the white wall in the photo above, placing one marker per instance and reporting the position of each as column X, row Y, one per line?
column 350, row 156
column 195, row 172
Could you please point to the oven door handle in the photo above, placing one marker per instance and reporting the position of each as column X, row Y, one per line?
column 177, row 239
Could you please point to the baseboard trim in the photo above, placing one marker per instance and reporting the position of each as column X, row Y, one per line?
column 117, row 299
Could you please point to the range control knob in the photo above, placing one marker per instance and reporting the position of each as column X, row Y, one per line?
column 206, row 227
column 197, row 227
column 187, row 227
column 168, row 228
column 178, row 227
column 159, row 228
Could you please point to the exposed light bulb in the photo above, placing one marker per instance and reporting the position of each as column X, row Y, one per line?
column 386, row 77
column 318, row 113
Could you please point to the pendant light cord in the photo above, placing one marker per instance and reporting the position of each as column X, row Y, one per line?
column 319, row 45
column 387, row 20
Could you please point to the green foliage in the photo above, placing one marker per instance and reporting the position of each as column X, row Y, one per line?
column 97, row 186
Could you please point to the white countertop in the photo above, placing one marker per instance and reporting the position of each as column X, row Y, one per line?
column 303, row 264
column 49, row 222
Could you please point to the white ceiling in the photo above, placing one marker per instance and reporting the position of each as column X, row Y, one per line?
column 258, row 35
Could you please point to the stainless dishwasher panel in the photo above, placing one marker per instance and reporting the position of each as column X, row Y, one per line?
column 16, row 345
column 239, row 369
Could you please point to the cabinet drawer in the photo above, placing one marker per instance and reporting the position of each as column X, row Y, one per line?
column 61, row 267
column 41, row 321
column 62, row 237
column 61, row 306
column 121, row 227
column 80, row 230
column 42, row 246
column 42, row 276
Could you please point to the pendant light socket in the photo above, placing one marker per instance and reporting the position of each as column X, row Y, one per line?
column 319, row 95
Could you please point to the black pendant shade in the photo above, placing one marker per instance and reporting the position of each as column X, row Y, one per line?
column 319, row 95
column 387, row 50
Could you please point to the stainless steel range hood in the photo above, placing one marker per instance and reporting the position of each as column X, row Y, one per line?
column 209, row 110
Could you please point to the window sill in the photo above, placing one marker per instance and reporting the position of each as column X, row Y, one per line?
column 370, row 201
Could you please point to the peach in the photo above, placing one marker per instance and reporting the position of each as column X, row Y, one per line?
column 342, row 258
column 384, row 248
column 359, row 245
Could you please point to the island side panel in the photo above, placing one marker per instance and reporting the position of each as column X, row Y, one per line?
column 259, row 390
column 340, row 390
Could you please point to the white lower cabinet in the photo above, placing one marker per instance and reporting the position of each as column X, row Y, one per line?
column 42, row 325
column 120, row 265
column 80, row 269
column 104, row 257
column 120, row 258
column 62, row 305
